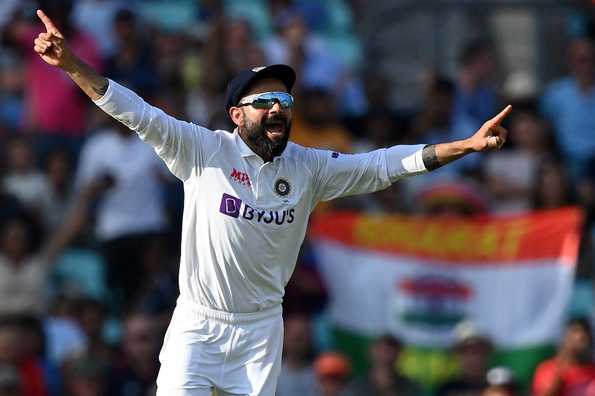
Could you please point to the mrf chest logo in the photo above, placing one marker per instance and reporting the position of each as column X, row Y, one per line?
column 236, row 208
column 239, row 177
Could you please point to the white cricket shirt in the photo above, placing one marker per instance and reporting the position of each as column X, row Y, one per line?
column 244, row 220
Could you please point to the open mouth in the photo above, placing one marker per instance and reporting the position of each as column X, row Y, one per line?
column 275, row 129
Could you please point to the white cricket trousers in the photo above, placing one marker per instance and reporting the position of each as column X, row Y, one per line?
column 237, row 354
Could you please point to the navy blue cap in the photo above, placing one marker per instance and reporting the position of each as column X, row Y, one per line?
column 242, row 82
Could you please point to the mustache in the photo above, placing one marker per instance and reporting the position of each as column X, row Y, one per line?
column 275, row 119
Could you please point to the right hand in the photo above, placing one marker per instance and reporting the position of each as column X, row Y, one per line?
column 51, row 45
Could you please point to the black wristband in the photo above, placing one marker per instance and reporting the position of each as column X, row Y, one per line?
column 429, row 157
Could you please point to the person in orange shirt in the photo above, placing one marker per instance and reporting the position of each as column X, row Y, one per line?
column 572, row 371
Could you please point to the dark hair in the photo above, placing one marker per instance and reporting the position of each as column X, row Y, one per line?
column 472, row 50
column 389, row 339
column 442, row 84
column 583, row 323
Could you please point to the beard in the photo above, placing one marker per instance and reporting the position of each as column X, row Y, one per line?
column 255, row 134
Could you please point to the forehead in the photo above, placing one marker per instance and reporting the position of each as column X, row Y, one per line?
column 266, row 85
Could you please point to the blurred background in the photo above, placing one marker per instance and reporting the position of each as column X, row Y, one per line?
column 90, row 219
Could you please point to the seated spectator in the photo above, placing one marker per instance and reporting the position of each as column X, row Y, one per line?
column 333, row 373
column 572, row 371
column 297, row 376
column 58, row 172
column 472, row 349
column 138, row 364
column 24, row 267
column 568, row 104
column 552, row 188
column 90, row 316
column 383, row 379
column 85, row 377
column 15, row 352
column 501, row 382
column 11, row 383
column 22, row 178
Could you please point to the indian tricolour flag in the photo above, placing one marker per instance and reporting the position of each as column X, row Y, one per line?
column 418, row 277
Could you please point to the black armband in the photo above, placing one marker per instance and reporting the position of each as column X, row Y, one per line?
column 101, row 90
column 429, row 157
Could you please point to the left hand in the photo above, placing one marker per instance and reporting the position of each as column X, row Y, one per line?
column 491, row 135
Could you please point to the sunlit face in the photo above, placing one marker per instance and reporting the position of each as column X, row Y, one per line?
column 266, row 131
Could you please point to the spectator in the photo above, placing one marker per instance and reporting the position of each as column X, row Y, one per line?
column 97, row 17
column 297, row 373
column 383, row 379
column 34, row 351
column 436, row 123
column 59, row 171
column 572, row 370
column 501, row 382
column 12, row 107
column 133, row 64
column 123, row 227
column 135, row 371
column 14, row 352
column 333, row 373
column 10, row 382
column 65, row 338
column 24, row 268
column 552, row 188
column 316, row 123
column 91, row 318
column 475, row 98
column 61, row 120
column 472, row 349
column 22, row 179
column 511, row 174
column 85, row 377
column 568, row 104
column 450, row 198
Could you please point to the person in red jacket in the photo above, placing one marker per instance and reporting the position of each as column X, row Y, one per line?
column 572, row 371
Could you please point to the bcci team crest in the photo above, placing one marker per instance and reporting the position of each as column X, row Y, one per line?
column 282, row 187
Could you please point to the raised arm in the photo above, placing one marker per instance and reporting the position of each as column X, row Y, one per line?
column 183, row 146
column 51, row 47
column 490, row 136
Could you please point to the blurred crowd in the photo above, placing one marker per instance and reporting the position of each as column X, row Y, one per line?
column 90, row 218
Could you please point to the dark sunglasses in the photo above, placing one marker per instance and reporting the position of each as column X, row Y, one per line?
column 266, row 100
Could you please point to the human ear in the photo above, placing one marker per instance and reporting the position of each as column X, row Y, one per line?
column 237, row 116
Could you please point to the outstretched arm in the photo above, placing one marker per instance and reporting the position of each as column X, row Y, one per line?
column 183, row 146
column 51, row 47
column 490, row 136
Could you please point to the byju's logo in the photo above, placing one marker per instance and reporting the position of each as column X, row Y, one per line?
column 230, row 205
column 234, row 207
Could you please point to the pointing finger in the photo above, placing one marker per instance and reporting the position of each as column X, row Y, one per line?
column 498, row 118
column 49, row 25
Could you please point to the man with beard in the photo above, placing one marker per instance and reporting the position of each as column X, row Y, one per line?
column 248, row 195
